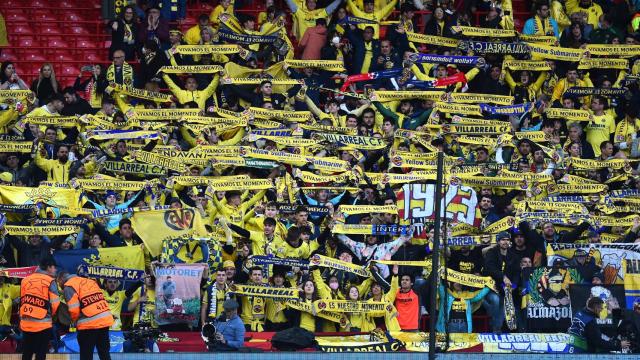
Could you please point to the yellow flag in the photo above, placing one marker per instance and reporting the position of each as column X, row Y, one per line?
column 157, row 225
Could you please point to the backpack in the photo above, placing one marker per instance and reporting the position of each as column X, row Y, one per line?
column 292, row 339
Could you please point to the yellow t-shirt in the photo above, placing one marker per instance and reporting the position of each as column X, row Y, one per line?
column 115, row 302
column 305, row 19
column 149, row 307
column 599, row 130
column 8, row 292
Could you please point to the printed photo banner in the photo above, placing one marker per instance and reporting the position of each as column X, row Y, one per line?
column 548, row 301
column 608, row 256
column 23, row 147
column 19, row 272
column 178, row 293
column 109, row 272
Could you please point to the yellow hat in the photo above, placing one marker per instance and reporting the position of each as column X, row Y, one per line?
column 6, row 177
column 228, row 264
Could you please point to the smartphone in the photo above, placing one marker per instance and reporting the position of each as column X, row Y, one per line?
column 87, row 68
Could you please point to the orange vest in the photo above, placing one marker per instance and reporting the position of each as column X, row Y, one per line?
column 37, row 303
column 408, row 306
column 87, row 305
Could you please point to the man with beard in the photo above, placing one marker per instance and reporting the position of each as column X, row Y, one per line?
column 57, row 170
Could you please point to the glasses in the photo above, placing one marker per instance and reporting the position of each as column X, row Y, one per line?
column 118, row 57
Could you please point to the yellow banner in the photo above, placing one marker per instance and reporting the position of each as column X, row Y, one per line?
column 328, row 65
column 50, row 230
column 191, row 69
column 600, row 63
column 471, row 98
column 432, row 40
column 531, row 65
column 555, row 53
column 23, row 147
column 324, row 261
column 156, row 226
column 159, row 160
column 568, row 114
column 368, row 209
column 386, row 96
column 61, row 121
column 457, row 108
column 350, row 306
column 482, row 32
column 208, row 49
column 163, row 114
column 92, row 184
column 613, row 50
column 293, row 116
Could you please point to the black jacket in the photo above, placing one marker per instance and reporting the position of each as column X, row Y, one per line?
column 493, row 265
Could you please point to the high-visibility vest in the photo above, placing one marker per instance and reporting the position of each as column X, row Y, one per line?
column 37, row 303
column 87, row 304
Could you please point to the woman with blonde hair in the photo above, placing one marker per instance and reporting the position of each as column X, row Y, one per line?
column 46, row 84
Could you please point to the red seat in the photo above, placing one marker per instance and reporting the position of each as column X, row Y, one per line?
column 86, row 44
column 34, row 57
column 49, row 29
column 92, row 57
column 62, row 58
column 69, row 70
column 73, row 17
column 21, row 30
column 7, row 56
column 7, row 4
column 79, row 30
column 54, row 43
column 44, row 16
column 26, row 42
column 38, row 3
column 12, row 16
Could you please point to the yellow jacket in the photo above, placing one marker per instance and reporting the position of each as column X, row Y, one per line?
column 558, row 14
column 199, row 96
column 593, row 12
column 376, row 15
column 563, row 85
column 192, row 37
column 56, row 171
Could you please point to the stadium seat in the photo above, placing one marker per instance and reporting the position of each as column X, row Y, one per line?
column 62, row 58
column 86, row 44
column 26, row 42
column 21, row 30
column 7, row 56
column 38, row 3
column 69, row 70
column 73, row 17
column 44, row 16
column 7, row 4
column 49, row 29
column 54, row 43
column 34, row 57
column 13, row 16
column 79, row 30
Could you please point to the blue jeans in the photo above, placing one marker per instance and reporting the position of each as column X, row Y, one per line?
column 494, row 305
column 458, row 326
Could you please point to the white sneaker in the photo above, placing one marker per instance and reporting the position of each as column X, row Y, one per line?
column 423, row 311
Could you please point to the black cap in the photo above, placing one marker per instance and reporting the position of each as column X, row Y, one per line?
column 230, row 304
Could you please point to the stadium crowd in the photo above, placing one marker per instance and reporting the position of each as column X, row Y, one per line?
column 301, row 147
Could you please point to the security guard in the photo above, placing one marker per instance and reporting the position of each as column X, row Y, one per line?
column 89, row 309
column 38, row 303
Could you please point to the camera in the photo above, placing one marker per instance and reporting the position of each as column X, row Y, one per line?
column 141, row 336
column 209, row 333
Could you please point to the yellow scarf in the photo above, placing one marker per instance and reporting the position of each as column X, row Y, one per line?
column 542, row 27
column 127, row 74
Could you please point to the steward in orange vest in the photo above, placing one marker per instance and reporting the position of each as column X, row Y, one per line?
column 90, row 311
column 38, row 303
